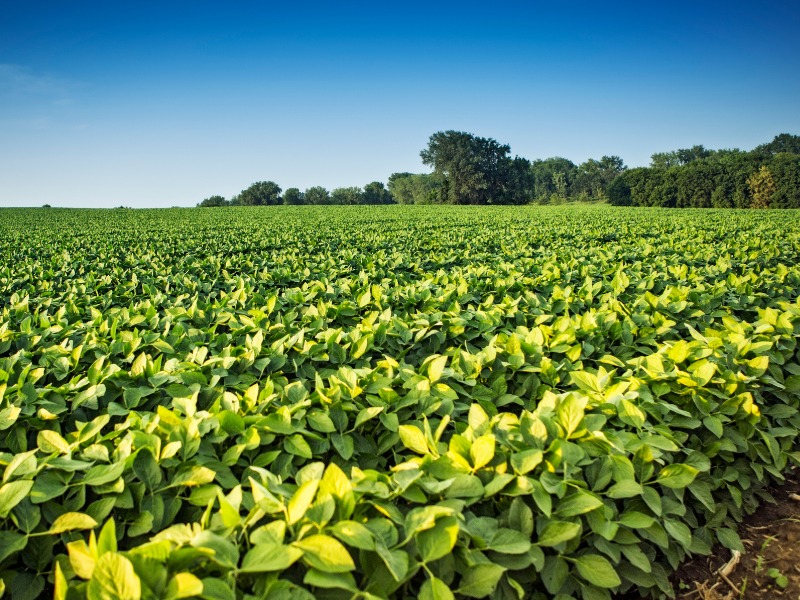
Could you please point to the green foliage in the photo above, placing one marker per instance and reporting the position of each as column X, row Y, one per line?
column 476, row 170
column 410, row 188
column 376, row 193
column 347, row 195
column 766, row 177
column 261, row 193
column 213, row 201
column 293, row 196
column 762, row 187
column 422, row 402
column 317, row 195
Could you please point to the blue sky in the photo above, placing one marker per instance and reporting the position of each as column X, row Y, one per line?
column 162, row 104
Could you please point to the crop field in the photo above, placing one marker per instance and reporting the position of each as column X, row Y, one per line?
column 388, row 402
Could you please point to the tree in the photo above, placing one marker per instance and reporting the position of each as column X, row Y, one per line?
column 317, row 195
column 346, row 195
column 293, row 196
column 376, row 193
column 411, row 188
column 552, row 175
column 519, row 182
column 785, row 169
column 594, row 176
column 213, row 201
column 619, row 192
column 261, row 193
column 676, row 158
column 782, row 142
column 762, row 187
column 475, row 169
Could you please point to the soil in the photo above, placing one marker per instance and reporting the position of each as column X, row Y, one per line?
column 769, row 567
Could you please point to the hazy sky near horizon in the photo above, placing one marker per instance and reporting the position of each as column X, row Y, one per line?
column 159, row 104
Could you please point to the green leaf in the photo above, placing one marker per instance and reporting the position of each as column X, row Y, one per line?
column 107, row 540
column 343, row 444
column 598, row 571
column 413, row 439
column 193, row 476
column 570, row 413
column 71, row 521
column 714, row 425
column 301, row 500
column 320, row 421
column 636, row 520
column 366, row 414
column 184, row 585
column 325, row 553
column 321, row 579
column 224, row 551
column 336, row 483
column 217, row 589
column 146, row 469
column 354, row 534
column 578, row 503
column 677, row 475
column 586, row 381
column 526, row 461
column 435, row 589
column 12, row 494
column 630, row 414
column 482, row 450
column 11, row 542
column 627, row 488
column 480, row 580
column 102, row 474
column 557, row 532
column 438, row 541
column 520, row 517
column 269, row 557
column 730, row 539
column 436, row 367
column 508, row 541
column 50, row 441
column 113, row 578
column 297, row 445
column 396, row 561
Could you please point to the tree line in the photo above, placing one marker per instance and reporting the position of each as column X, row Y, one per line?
column 766, row 177
column 468, row 169
column 269, row 193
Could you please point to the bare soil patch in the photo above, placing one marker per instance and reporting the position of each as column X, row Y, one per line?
column 770, row 565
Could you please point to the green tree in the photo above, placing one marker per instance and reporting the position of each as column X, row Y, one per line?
column 785, row 169
column 475, row 168
column 317, row 195
column 376, row 193
column 594, row 176
column 293, row 196
column 346, row 195
column 545, row 173
column 261, row 193
column 213, row 201
column 782, row 142
column 619, row 192
column 411, row 188
column 683, row 156
column 762, row 187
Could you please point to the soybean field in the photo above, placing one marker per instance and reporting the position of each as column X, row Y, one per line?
column 384, row 402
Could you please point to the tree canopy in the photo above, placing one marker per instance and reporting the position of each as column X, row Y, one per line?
column 766, row 177
column 474, row 170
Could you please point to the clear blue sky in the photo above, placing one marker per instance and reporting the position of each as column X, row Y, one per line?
column 160, row 104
